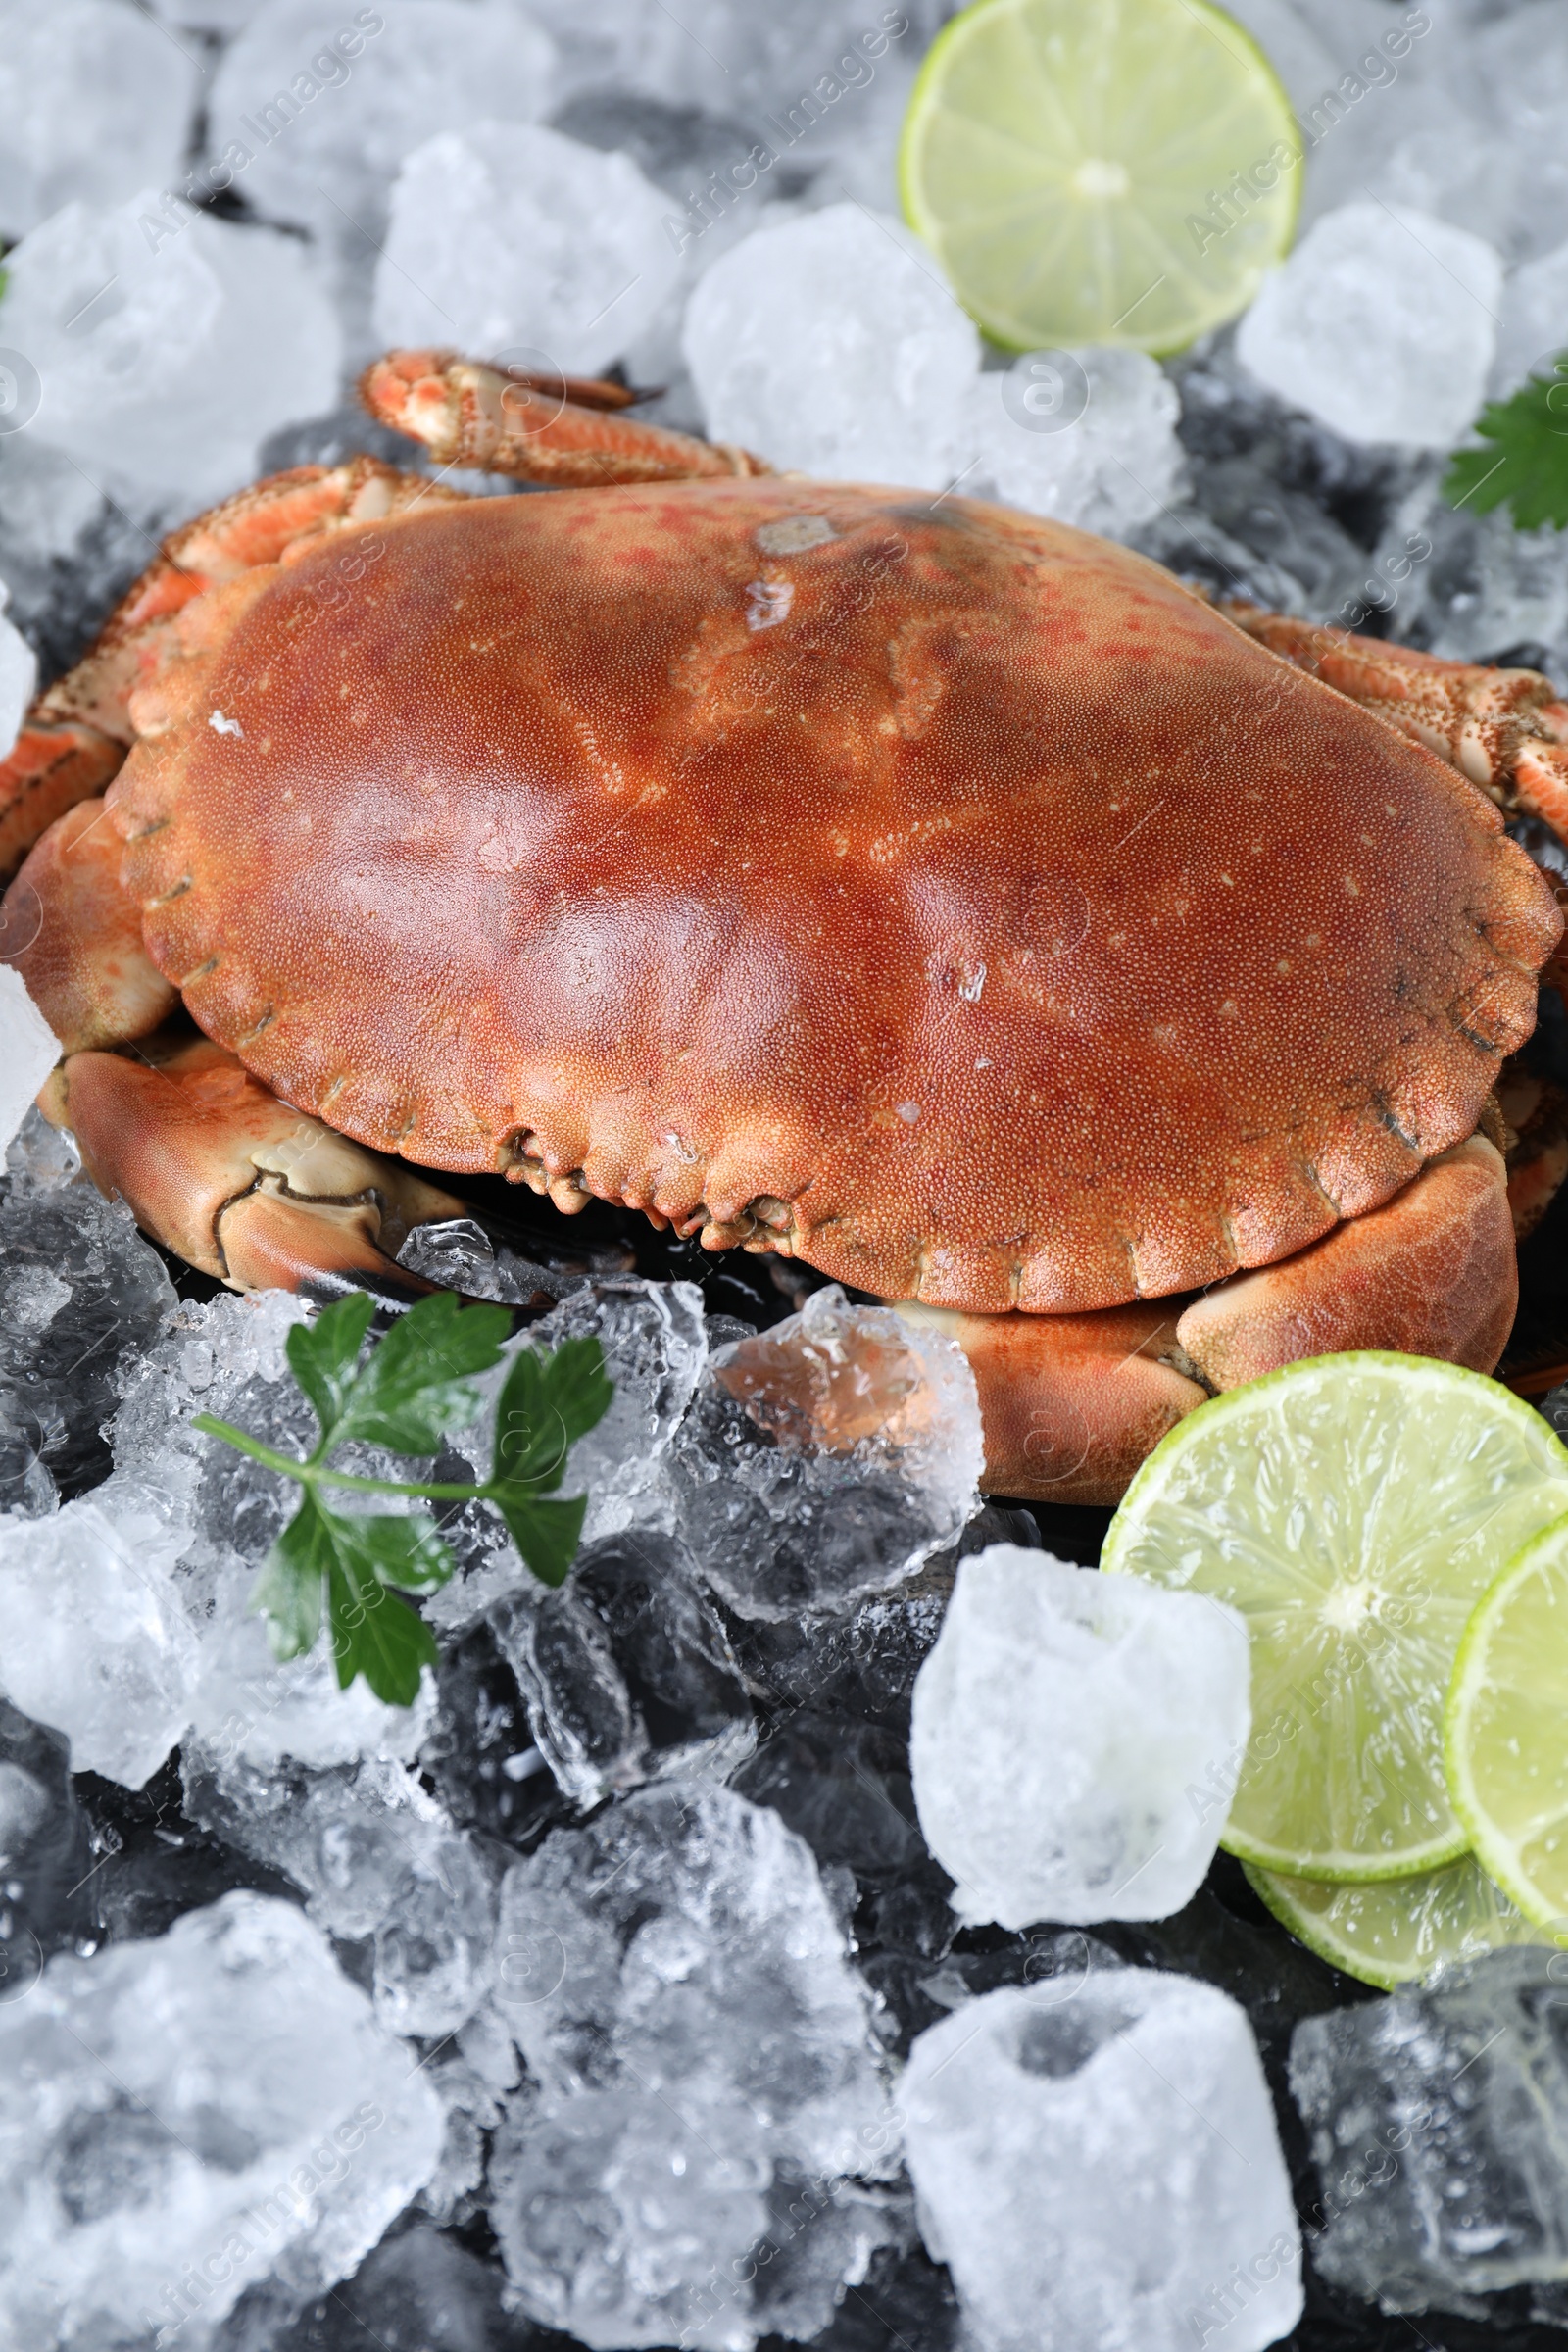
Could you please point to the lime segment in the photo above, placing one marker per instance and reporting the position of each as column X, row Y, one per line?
column 1507, row 1728
column 1352, row 1509
column 1119, row 173
column 1392, row 1931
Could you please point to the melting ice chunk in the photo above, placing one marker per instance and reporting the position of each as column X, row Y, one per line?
column 1438, row 2124
column 96, row 103
column 831, row 344
column 168, row 343
column 507, row 236
column 1061, row 1725
column 326, row 110
column 1086, row 438
column 1101, row 2169
column 826, row 1458
column 1382, row 324
column 185, row 2118
column 681, row 1989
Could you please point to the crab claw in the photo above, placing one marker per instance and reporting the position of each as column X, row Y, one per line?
column 558, row 429
column 234, row 1181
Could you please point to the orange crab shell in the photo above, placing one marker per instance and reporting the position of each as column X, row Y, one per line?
column 930, row 891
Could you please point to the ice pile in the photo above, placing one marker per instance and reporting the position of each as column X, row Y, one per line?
column 96, row 103
column 509, row 239
column 1097, row 2160
column 701, row 2059
column 1439, row 2120
column 80, row 1294
column 1060, row 1727
column 186, row 2117
column 831, row 344
column 826, row 1458
column 323, row 104
column 626, row 1671
column 1382, row 322
column 165, row 343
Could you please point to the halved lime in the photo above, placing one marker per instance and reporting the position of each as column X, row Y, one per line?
column 1354, row 1508
column 1389, row 1932
column 1122, row 173
column 1507, row 1728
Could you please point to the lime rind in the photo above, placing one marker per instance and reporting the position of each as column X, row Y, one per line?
column 1354, row 1508
column 1389, row 1932
column 1024, row 92
column 1505, row 1728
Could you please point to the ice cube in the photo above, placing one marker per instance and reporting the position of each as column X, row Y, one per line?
column 81, row 1295
column 1534, row 326
column 93, row 1638
column 28, row 1049
column 1382, row 322
column 46, row 1859
column 1087, row 437
column 459, row 1254
column 166, row 342
column 377, row 1859
column 654, row 1346
column 1061, row 1725
column 323, row 111
column 418, row 2291
column 507, row 236
column 831, row 344
column 1437, row 2124
column 823, row 1461
column 189, row 2117
column 626, row 1671
column 681, row 1991
column 96, row 102
column 1103, row 2169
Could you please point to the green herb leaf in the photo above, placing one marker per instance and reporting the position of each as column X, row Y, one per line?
column 415, row 1387
column 1525, row 463
column 546, row 1533
column 548, row 1402
column 324, row 1355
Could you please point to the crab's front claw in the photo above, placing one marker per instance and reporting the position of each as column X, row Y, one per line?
column 1433, row 1272
column 234, row 1181
column 1070, row 1404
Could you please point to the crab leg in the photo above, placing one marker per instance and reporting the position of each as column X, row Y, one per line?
column 234, row 1181
column 1506, row 729
column 557, row 430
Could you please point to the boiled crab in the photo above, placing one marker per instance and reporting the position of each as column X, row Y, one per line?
column 946, row 897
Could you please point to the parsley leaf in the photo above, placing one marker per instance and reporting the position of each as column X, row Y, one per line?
column 404, row 1394
column 1525, row 463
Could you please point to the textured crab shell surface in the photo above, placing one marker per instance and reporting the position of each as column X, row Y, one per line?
column 935, row 892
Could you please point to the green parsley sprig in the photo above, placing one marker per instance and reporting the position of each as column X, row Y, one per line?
column 1525, row 461
column 405, row 1395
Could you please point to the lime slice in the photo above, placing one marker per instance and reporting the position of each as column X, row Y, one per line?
column 1397, row 1931
column 1354, row 1508
column 1507, row 1728
column 1113, row 174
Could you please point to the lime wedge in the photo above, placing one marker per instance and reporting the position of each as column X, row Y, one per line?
column 1397, row 1931
column 1122, row 173
column 1507, row 1728
column 1354, row 1508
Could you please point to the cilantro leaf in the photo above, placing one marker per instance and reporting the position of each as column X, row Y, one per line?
column 417, row 1384
column 548, row 1402
column 411, row 1388
column 324, row 1355
column 1525, row 461
column 547, row 1532
column 288, row 1591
